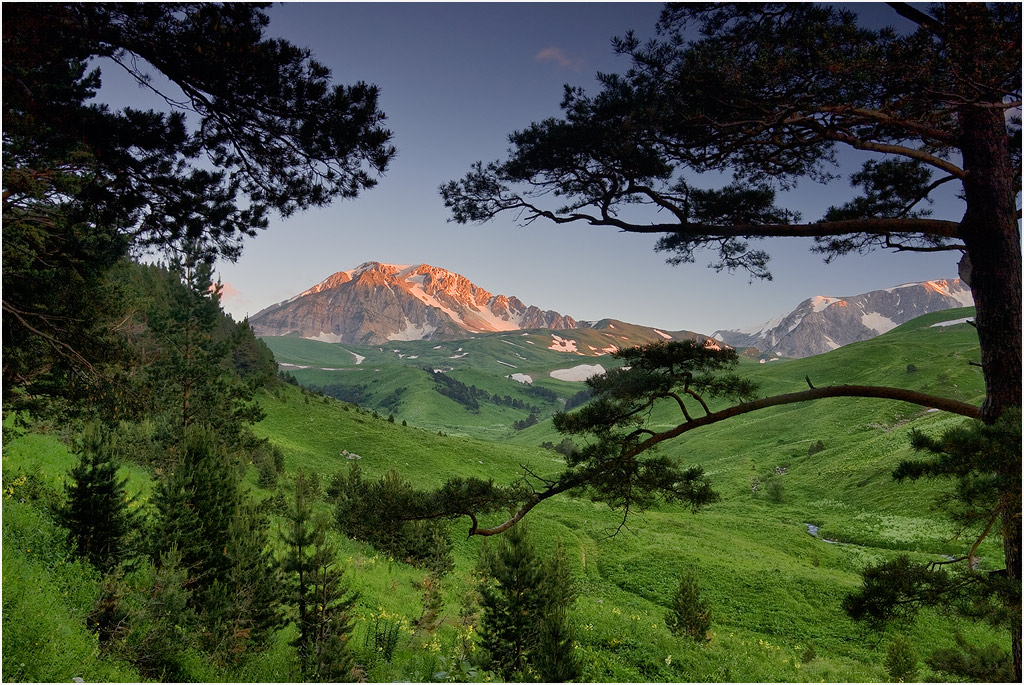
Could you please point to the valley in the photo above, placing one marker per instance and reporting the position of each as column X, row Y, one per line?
column 542, row 369
column 774, row 589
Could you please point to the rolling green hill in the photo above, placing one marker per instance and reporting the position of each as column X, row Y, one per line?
column 397, row 379
column 773, row 588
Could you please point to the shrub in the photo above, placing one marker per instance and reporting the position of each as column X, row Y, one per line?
column 145, row 618
column 911, row 368
column 775, row 492
column 689, row 614
column 815, row 448
column 267, row 475
column 901, row 660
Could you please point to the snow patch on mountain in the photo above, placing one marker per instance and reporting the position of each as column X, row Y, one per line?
column 563, row 345
column 326, row 337
column 878, row 323
column 413, row 332
column 359, row 357
column 577, row 373
column 954, row 322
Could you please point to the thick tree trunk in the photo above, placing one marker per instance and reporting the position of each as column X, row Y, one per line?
column 992, row 239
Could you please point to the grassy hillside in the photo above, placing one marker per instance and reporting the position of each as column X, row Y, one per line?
column 773, row 588
column 771, row 583
column 392, row 380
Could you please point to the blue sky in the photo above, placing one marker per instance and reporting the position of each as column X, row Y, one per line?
column 455, row 79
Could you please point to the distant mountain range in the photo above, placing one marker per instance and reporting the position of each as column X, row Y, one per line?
column 821, row 324
column 377, row 302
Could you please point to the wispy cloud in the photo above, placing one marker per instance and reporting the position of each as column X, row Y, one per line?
column 559, row 57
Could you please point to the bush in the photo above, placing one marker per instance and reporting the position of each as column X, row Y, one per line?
column 145, row 619
column 775, row 492
column 689, row 614
column 815, row 448
column 901, row 660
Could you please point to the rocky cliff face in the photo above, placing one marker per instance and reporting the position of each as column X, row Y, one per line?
column 376, row 302
column 821, row 323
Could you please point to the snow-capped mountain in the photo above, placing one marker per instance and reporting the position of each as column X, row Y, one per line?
column 377, row 302
column 821, row 323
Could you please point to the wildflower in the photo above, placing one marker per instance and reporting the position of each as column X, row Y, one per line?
column 668, row 660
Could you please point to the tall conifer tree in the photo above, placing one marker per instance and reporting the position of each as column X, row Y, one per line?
column 99, row 511
column 320, row 598
column 524, row 601
column 195, row 504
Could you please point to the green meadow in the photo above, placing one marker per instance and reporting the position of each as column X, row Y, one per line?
column 774, row 589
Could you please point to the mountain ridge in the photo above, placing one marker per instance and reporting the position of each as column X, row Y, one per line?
column 377, row 302
column 823, row 323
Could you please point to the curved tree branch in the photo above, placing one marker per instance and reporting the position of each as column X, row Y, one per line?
column 866, row 391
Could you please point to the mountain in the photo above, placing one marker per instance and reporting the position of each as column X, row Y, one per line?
column 821, row 323
column 376, row 302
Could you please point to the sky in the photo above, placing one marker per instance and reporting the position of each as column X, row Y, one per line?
column 455, row 79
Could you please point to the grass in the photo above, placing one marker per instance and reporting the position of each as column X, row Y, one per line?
column 773, row 588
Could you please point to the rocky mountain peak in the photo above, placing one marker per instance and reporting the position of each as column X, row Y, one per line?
column 376, row 301
column 822, row 323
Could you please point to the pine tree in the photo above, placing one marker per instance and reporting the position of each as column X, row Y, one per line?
column 430, row 616
column 148, row 622
column 196, row 504
column 321, row 601
column 555, row 659
column 99, row 512
column 245, row 606
column 689, row 614
column 901, row 660
column 512, row 607
column 298, row 539
column 190, row 368
column 524, row 601
column 330, row 618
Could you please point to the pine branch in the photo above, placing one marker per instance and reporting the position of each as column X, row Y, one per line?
column 579, row 479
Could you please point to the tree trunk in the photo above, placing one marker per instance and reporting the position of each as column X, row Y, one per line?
column 990, row 234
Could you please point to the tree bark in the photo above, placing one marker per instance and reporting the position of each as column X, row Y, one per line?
column 990, row 234
column 992, row 240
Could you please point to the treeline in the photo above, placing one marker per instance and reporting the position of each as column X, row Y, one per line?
column 359, row 393
column 470, row 396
